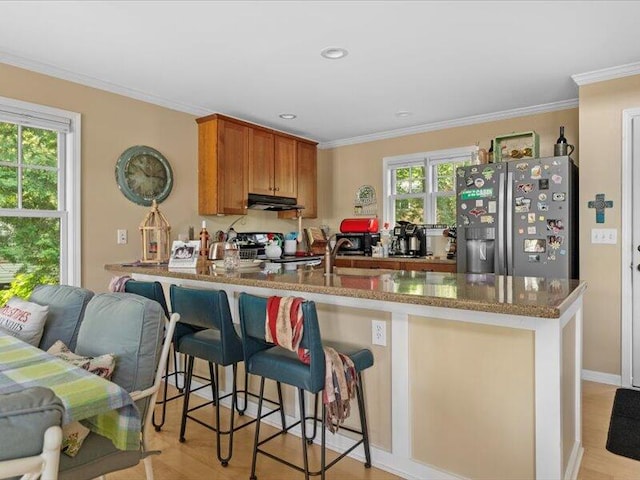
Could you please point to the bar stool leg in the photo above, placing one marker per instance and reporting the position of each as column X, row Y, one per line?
column 315, row 424
column 176, row 371
column 246, row 387
column 214, row 384
column 303, row 428
column 159, row 424
column 323, row 441
column 363, row 422
column 282, row 419
column 224, row 461
column 187, row 393
column 257, row 435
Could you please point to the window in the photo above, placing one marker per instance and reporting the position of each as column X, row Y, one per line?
column 39, row 197
column 420, row 188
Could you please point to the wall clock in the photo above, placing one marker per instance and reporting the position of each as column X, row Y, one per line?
column 144, row 175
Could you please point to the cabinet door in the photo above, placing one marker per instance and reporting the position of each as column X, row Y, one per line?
column 233, row 160
column 377, row 264
column 307, row 181
column 208, row 167
column 429, row 267
column 342, row 262
column 285, row 167
column 261, row 167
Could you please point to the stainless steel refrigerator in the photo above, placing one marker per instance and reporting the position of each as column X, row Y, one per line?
column 518, row 218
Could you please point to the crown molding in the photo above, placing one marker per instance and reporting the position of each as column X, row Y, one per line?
column 88, row 81
column 460, row 122
column 606, row 74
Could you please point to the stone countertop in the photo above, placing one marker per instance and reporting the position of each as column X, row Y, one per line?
column 528, row 296
column 442, row 260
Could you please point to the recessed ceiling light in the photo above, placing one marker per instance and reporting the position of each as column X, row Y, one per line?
column 334, row 53
column 403, row 113
column 287, row 116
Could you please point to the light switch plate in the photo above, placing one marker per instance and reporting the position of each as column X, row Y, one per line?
column 122, row 237
column 607, row 236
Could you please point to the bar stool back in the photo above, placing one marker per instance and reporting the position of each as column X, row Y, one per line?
column 277, row 363
column 206, row 331
column 154, row 291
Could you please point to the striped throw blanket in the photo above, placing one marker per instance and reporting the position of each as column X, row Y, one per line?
column 284, row 326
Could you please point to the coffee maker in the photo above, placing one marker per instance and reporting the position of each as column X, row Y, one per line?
column 408, row 240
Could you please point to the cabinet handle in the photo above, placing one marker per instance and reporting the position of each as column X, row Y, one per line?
column 277, row 189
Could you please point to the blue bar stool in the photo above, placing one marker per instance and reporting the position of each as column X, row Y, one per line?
column 154, row 291
column 276, row 363
column 206, row 331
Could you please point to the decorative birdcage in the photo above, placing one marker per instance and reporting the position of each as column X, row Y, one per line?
column 154, row 231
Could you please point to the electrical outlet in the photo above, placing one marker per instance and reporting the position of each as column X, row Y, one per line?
column 122, row 237
column 379, row 332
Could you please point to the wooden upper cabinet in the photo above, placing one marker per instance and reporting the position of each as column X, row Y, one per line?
column 223, row 160
column 261, row 161
column 236, row 158
column 285, row 168
column 272, row 164
column 307, row 173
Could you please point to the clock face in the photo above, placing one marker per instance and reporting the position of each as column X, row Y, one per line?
column 144, row 175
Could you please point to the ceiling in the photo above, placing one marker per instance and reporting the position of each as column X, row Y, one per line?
column 441, row 61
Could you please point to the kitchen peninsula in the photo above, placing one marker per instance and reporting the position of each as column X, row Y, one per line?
column 481, row 378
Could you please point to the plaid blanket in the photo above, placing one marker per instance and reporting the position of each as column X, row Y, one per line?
column 284, row 325
column 104, row 407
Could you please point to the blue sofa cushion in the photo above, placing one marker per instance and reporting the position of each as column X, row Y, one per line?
column 24, row 417
column 129, row 326
column 66, row 309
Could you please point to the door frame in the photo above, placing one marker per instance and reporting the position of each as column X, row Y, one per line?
column 626, row 267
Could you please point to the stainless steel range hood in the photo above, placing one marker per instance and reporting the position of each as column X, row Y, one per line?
column 272, row 203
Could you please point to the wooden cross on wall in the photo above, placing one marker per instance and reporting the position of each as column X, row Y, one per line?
column 600, row 204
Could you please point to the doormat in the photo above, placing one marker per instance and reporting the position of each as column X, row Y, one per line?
column 624, row 427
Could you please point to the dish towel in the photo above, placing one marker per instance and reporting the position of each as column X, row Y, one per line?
column 284, row 326
column 117, row 283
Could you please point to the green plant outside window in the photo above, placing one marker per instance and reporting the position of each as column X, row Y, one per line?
column 29, row 238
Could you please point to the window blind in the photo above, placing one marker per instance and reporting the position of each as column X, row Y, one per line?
column 34, row 119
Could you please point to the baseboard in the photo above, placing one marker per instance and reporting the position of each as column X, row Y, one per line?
column 600, row 377
column 387, row 461
column 573, row 465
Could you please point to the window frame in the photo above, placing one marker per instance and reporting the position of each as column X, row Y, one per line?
column 427, row 160
column 68, row 126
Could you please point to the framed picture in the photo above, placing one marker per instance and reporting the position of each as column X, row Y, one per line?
column 514, row 146
column 184, row 254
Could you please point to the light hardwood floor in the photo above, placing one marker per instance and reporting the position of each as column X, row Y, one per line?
column 196, row 458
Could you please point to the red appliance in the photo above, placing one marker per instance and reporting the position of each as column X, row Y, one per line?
column 359, row 225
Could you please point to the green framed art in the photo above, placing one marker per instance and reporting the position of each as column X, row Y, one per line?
column 514, row 146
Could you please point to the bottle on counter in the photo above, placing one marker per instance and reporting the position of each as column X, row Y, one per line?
column 562, row 148
column 204, row 240
column 490, row 153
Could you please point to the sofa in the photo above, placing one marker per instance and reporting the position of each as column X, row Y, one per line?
column 127, row 325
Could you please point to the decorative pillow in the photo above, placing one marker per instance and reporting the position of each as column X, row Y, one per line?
column 24, row 320
column 73, row 434
column 102, row 366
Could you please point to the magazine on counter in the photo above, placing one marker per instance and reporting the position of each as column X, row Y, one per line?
column 184, row 254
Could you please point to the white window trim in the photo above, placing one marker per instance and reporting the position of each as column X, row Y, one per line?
column 427, row 159
column 70, row 226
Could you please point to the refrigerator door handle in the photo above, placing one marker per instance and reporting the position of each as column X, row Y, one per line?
column 509, row 233
column 500, row 258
